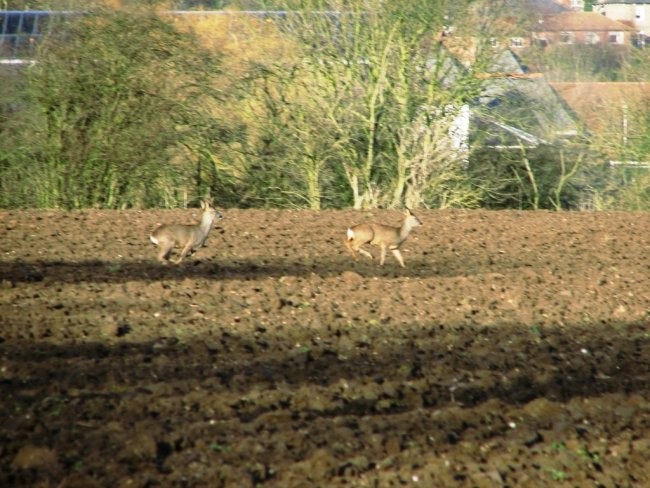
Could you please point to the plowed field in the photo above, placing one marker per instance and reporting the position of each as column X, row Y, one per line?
column 513, row 350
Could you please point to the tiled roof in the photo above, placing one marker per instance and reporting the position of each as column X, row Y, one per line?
column 581, row 21
column 513, row 100
column 593, row 102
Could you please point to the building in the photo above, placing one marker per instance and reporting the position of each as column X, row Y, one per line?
column 632, row 12
column 610, row 111
column 582, row 28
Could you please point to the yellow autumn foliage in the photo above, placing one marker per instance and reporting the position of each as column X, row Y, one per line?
column 242, row 39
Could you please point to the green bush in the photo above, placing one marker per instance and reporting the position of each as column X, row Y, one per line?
column 107, row 105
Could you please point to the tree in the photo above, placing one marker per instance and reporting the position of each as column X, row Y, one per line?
column 378, row 74
column 624, row 141
column 578, row 62
column 113, row 97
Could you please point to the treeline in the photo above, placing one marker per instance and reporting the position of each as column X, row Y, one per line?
column 340, row 104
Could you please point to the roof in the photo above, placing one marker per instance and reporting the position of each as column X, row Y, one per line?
column 516, row 107
column 531, row 105
column 593, row 102
column 580, row 21
column 522, row 105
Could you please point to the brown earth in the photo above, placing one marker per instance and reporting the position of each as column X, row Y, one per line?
column 514, row 350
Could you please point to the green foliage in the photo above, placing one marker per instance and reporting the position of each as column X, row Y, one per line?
column 558, row 474
column 623, row 188
column 12, row 149
column 109, row 101
column 221, row 4
column 637, row 68
column 546, row 177
column 127, row 108
column 579, row 62
column 370, row 81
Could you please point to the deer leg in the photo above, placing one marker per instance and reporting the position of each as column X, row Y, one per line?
column 165, row 251
column 398, row 255
column 365, row 253
column 383, row 255
column 350, row 247
column 186, row 250
column 355, row 246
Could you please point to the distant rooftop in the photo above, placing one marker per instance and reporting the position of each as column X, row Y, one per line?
column 581, row 21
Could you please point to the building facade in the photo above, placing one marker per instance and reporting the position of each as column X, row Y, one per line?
column 582, row 28
column 632, row 12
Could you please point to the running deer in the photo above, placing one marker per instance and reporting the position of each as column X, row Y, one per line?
column 384, row 236
column 188, row 237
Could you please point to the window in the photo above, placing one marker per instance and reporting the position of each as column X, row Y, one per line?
column 591, row 38
column 640, row 12
column 516, row 42
column 566, row 37
column 615, row 38
column 577, row 4
column 21, row 30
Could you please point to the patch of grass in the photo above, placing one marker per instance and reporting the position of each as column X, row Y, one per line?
column 215, row 446
column 592, row 457
column 558, row 474
column 558, row 446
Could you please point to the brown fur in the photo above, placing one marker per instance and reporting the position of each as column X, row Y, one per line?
column 382, row 235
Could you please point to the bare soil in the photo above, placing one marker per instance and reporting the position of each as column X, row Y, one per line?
column 513, row 350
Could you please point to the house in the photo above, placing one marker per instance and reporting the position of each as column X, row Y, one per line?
column 632, row 12
column 512, row 26
column 515, row 108
column 592, row 101
column 518, row 108
column 612, row 112
column 582, row 28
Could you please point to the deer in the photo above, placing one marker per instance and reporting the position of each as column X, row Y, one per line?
column 382, row 235
column 188, row 237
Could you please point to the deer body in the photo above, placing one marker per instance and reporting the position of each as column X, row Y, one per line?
column 188, row 237
column 382, row 235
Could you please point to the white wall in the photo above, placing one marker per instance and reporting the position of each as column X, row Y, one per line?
column 638, row 15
